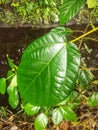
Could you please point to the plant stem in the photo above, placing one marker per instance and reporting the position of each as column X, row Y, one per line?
column 10, row 76
column 82, row 36
column 89, row 68
column 92, row 39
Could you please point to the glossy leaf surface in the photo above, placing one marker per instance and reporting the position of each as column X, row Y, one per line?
column 2, row 85
column 30, row 109
column 62, row 31
column 13, row 93
column 57, row 116
column 69, row 9
column 68, row 114
column 41, row 122
column 48, row 70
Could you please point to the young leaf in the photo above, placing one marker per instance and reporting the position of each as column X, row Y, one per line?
column 41, row 122
column 2, row 85
column 56, row 116
column 92, row 3
column 95, row 82
column 75, row 100
column 84, row 78
column 93, row 100
column 13, row 93
column 68, row 114
column 49, row 74
column 69, row 9
column 11, row 64
column 30, row 109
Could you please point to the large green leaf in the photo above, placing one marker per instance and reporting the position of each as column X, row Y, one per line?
column 48, row 70
column 69, row 9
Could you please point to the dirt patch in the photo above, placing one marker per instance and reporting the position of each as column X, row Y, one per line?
column 87, row 120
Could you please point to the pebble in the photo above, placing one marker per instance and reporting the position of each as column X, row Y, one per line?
column 14, row 128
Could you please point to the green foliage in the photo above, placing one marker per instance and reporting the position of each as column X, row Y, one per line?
column 10, row 75
column 84, row 78
column 2, row 85
column 31, row 109
column 41, row 122
column 69, row 9
column 13, row 93
column 4, row 1
column 30, row 12
column 57, row 116
column 92, row 3
column 93, row 100
column 3, row 112
column 52, row 66
column 95, row 82
column 62, row 31
column 68, row 114
column 38, row 11
column 11, row 64
column 48, row 79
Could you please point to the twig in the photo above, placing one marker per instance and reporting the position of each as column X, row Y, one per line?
column 93, row 39
column 82, row 36
column 7, row 122
column 89, row 69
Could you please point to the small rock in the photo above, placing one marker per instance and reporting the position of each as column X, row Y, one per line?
column 14, row 128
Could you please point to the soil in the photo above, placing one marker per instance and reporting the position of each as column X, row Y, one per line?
column 87, row 120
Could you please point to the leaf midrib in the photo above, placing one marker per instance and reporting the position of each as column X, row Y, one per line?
column 43, row 69
column 69, row 8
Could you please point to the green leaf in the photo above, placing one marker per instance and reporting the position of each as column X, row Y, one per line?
column 13, row 93
column 74, row 100
column 95, row 82
column 68, row 114
column 92, row 3
column 10, row 62
column 41, row 122
column 30, row 109
column 74, row 95
column 93, row 100
column 62, row 30
column 84, row 78
column 69, row 9
column 48, row 70
column 2, row 85
column 56, row 116
column 10, row 75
